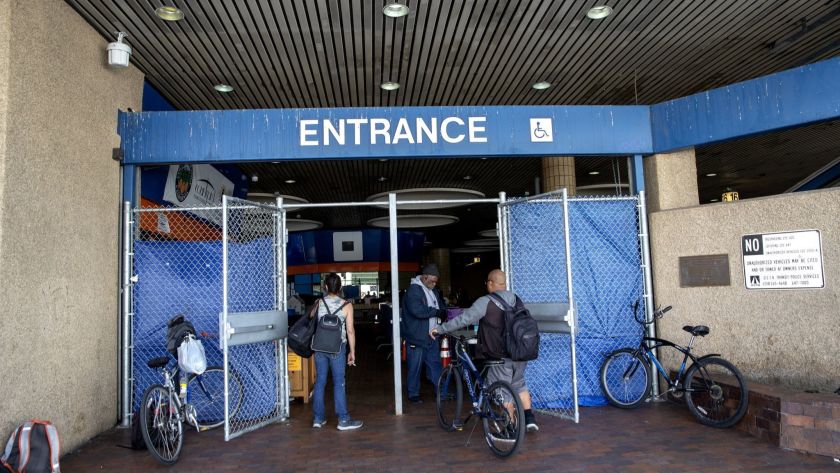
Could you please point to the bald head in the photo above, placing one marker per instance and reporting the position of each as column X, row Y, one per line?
column 496, row 281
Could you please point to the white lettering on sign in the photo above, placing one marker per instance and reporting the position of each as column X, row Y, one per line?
column 379, row 131
column 791, row 260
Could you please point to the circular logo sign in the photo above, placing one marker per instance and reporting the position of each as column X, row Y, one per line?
column 183, row 181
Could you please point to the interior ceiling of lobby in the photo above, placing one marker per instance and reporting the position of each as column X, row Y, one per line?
column 336, row 53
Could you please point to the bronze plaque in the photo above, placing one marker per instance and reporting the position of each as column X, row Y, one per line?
column 704, row 271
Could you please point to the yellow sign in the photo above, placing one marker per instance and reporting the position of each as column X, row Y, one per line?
column 729, row 196
column 294, row 362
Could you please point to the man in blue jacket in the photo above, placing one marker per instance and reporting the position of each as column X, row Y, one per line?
column 423, row 308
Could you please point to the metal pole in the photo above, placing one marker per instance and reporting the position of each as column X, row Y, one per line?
column 644, row 240
column 125, row 398
column 395, row 302
column 499, row 235
column 224, row 324
column 572, row 315
column 282, row 304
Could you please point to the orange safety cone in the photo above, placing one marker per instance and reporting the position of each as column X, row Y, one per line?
column 445, row 356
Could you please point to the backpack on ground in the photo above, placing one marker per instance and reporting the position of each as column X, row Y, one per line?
column 33, row 447
column 327, row 337
column 522, row 335
column 301, row 332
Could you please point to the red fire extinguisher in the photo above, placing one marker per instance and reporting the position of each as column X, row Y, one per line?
column 445, row 357
column 403, row 351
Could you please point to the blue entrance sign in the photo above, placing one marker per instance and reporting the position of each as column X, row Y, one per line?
column 439, row 132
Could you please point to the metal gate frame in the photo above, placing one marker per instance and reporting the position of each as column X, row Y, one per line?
column 505, row 246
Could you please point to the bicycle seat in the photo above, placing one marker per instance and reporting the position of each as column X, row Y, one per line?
column 696, row 330
column 158, row 362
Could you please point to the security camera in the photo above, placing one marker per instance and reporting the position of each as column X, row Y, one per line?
column 118, row 52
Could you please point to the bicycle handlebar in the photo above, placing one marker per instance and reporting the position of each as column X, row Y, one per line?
column 657, row 314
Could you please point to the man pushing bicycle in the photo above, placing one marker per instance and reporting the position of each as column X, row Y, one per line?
column 489, row 314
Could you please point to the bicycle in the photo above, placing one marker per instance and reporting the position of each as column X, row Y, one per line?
column 201, row 404
column 714, row 390
column 498, row 407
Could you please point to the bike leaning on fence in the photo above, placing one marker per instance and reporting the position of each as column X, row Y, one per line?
column 714, row 390
column 200, row 403
column 497, row 405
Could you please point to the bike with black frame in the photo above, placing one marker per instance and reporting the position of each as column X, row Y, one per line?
column 497, row 405
column 714, row 389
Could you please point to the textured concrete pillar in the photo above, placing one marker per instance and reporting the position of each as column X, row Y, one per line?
column 5, row 37
column 671, row 180
column 440, row 257
column 559, row 172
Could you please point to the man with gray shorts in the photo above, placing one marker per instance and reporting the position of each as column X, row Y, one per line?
column 491, row 340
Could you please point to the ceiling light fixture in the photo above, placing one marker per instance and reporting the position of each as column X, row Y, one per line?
column 383, row 160
column 389, row 86
column 542, row 85
column 382, row 179
column 169, row 13
column 395, row 10
column 467, row 177
column 290, row 181
column 223, row 88
column 599, row 12
column 713, row 200
column 594, row 173
column 711, row 174
column 255, row 178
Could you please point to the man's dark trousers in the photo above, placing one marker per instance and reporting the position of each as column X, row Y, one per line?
column 419, row 357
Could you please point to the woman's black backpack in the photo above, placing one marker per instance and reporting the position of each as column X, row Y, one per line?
column 327, row 337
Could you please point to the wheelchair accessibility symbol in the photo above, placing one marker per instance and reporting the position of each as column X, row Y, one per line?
column 541, row 130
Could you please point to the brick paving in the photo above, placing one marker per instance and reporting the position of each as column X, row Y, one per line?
column 661, row 437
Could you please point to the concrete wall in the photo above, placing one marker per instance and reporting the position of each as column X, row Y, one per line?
column 59, row 214
column 787, row 337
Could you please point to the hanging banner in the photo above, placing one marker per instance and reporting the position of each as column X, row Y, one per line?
column 196, row 185
column 790, row 260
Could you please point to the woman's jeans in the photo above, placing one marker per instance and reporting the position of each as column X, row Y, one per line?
column 336, row 365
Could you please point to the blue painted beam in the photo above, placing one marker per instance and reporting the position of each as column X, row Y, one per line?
column 794, row 97
column 436, row 132
column 637, row 174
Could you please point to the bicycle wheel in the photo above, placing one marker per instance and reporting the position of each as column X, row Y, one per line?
column 449, row 396
column 625, row 379
column 160, row 424
column 206, row 393
column 716, row 392
column 503, row 419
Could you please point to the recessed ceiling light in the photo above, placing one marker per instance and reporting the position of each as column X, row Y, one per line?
column 169, row 13
column 594, row 173
column 713, row 200
column 383, row 160
column 542, row 85
column 290, row 181
column 599, row 12
column 395, row 10
column 711, row 174
column 389, row 86
column 484, row 158
column 255, row 178
column 382, row 179
column 467, row 177
column 223, row 88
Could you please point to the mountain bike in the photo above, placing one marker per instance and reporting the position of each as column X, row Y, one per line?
column 496, row 405
column 714, row 390
column 200, row 403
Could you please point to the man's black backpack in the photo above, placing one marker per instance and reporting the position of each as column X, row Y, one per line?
column 522, row 335
column 177, row 328
column 327, row 337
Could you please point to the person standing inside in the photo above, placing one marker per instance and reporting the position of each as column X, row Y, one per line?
column 423, row 307
column 491, row 339
column 325, row 363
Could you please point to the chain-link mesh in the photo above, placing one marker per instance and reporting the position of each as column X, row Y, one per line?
column 607, row 278
column 177, row 269
column 251, row 240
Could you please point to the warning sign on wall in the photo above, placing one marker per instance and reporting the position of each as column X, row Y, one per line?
column 791, row 260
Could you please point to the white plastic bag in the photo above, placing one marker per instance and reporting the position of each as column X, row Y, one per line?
column 191, row 358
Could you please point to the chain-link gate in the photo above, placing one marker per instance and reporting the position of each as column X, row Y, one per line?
column 177, row 266
column 604, row 250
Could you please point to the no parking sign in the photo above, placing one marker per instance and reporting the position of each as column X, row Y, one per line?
column 790, row 260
